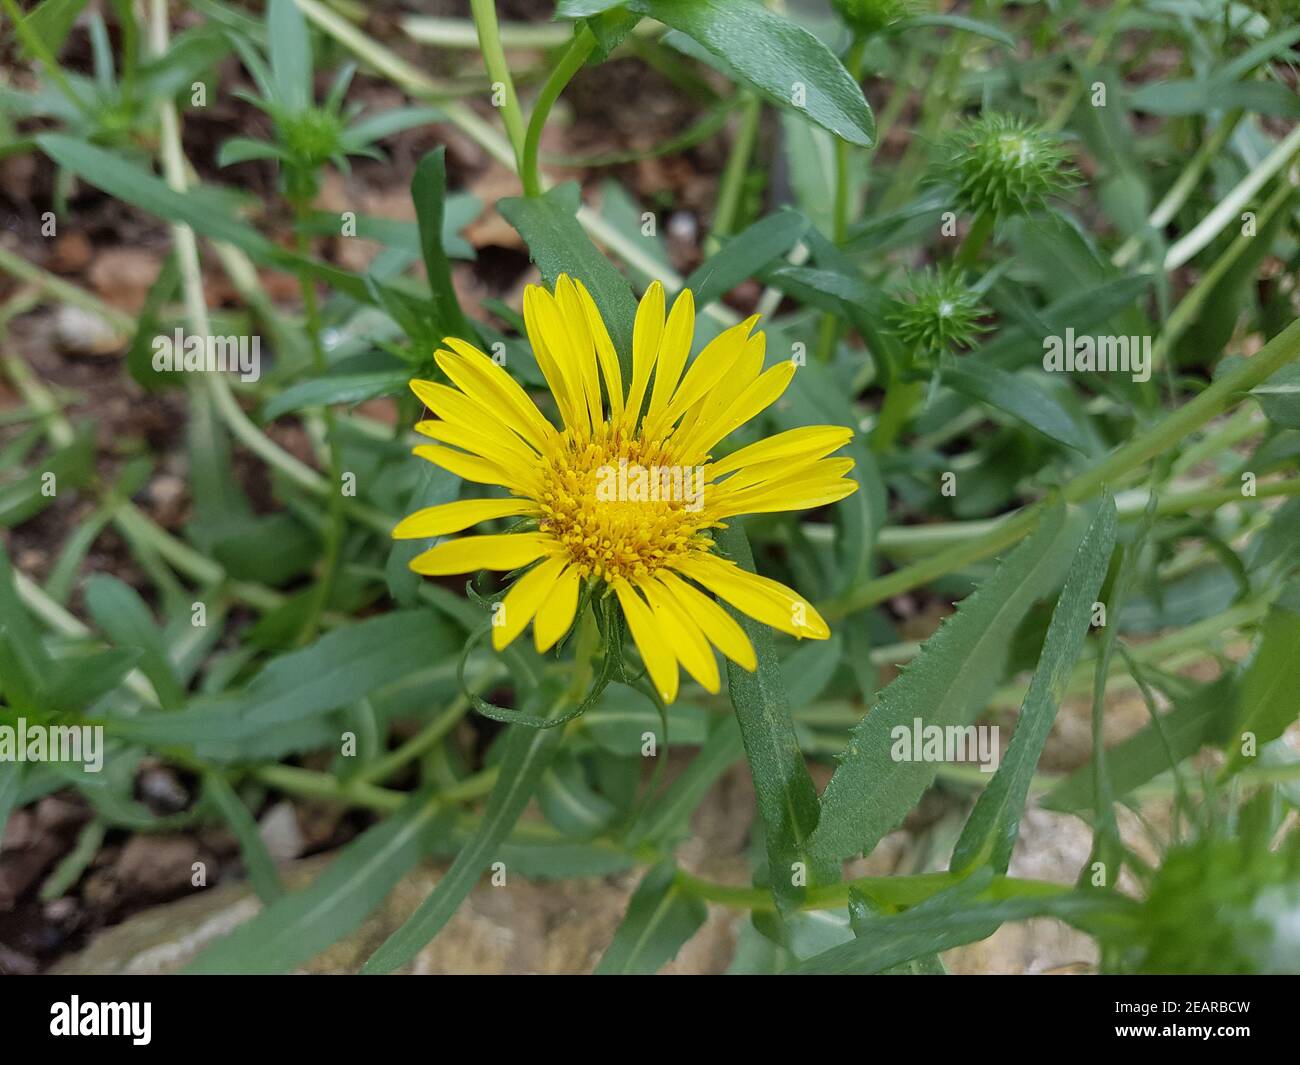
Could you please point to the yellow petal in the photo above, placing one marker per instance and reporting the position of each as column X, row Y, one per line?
column 674, row 349
column 520, row 603
column 687, row 641
column 755, row 399
column 720, row 627
column 556, row 612
column 554, row 351
column 803, row 496
column 647, row 331
column 478, row 470
column 454, row 406
column 660, row 662
column 605, row 352
column 809, row 441
column 584, row 353
column 764, row 600
column 710, row 366
column 489, row 385
column 477, row 442
column 447, row 518
column 468, row 554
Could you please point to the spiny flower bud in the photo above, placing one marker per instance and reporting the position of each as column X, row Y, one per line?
column 1005, row 166
column 871, row 16
column 937, row 313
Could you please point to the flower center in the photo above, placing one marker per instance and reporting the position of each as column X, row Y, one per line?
column 621, row 505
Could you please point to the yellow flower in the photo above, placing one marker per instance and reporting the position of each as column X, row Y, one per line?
column 625, row 493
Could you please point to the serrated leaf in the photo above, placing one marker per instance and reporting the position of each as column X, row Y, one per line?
column 783, row 789
column 991, row 830
column 948, row 683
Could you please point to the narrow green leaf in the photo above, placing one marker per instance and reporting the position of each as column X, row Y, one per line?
column 776, row 57
column 991, row 830
column 959, row 666
column 262, row 873
column 1268, row 689
column 954, row 918
column 300, row 925
column 784, row 791
column 429, row 193
column 1188, row 726
column 120, row 612
column 286, row 31
column 1017, row 395
column 348, row 389
column 528, row 751
column 745, row 254
column 659, row 919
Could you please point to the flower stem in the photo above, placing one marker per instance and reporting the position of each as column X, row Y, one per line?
column 570, row 63
column 733, row 176
column 494, row 58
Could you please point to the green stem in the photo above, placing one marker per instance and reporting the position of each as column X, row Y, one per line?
column 980, row 231
column 1161, row 438
column 570, row 63
column 733, row 175
column 334, row 527
column 494, row 58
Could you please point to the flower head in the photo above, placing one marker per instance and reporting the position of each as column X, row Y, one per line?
column 623, row 494
column 872, row 16
column 940, row 312
column 1002, row 165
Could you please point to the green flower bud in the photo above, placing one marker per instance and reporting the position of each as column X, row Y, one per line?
column 311, row 136
column 871, row 16
column 937, row 313
column 1002, row 165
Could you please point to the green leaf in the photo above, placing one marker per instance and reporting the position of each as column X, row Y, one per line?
column 559, row 245
column 991, row 830
column 120, row 612
column 775, row 56
column 337, row 670
column 786, row 797
column 23, row 499
column 201, row 209
column 1268, row 690
column 948, row 683
column 659, row 919
column 286, row 31
column 325, row 391
column 1017, row 395
column 262, row 873
column 429, row 193
column 84, row 679
column 300, row 925
column 528, row 751
column 746, row 254
column 1193, row 722
column 11, row 779
column 958, row 22
column 669, row 815
column 51, row 20
column 953, row 918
